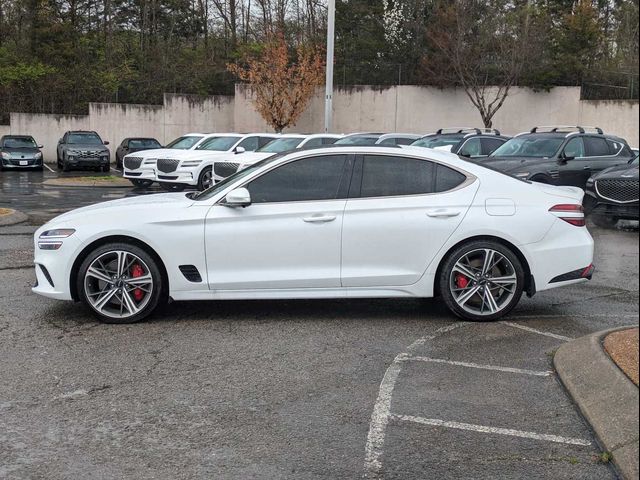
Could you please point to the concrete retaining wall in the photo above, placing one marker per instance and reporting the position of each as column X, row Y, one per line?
column 362, row 108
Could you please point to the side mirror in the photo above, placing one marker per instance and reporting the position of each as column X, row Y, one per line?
column 240, row 197
column 105, row 143
column 238, row 150
column 40, row 146
column 564, row 158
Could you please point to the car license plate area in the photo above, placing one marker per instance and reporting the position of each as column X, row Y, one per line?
column 23, row 163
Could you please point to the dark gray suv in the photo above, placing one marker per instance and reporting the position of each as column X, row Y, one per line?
column 82, row 149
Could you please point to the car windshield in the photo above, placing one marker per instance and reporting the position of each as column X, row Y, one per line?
column 359, row 140
column 84, row 139
column 19, row 142
column 222, row 184
column 219, row 144
column 184, row 143
column 530, row 146
column 281, row 145
column 438, row 141
column 144, row 143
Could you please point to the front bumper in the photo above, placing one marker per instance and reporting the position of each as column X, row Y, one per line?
column 140, row 174
column 87, row 161
column 181, row 175
column 595, row 205
column 53, row 269
column 22, row 163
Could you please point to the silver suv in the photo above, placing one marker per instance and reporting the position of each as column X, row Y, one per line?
column 82, row 149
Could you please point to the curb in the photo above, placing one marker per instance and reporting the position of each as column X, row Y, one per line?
column 13, row 218
column 605, row 395
column 56, row 183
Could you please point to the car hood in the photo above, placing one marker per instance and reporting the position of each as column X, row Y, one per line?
column 198, row 154
column 620, row 171
column 512, row 164
column 21, row 151
column 144, row 149
column 114, row 207
column 155, row 152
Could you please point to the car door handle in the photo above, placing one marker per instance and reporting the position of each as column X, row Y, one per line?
column 587, row 168
column 319, row 219
column 443, row 213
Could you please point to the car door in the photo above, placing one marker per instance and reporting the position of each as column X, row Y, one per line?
column 573, row 165
column 290, row 235
column 400, row 213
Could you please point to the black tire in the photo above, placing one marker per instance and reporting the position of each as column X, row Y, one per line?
column 471, row 248
column 205, row 176
column 106, row 168
column 603, row 221
column 65, row 166
column 158, row 295
column 172, row 187
column 141, row 183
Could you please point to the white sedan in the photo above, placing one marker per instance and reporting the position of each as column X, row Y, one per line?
column 341, row 222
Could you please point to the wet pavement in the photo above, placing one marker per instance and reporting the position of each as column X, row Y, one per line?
column 331, row 389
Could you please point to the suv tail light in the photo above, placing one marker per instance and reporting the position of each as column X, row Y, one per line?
column 573, row 214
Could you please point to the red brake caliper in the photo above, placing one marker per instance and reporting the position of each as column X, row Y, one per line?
column 461, row 281
column 136, row 272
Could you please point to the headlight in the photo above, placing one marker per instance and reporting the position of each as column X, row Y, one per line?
column 52, row 239
column 38, row 156
column 73, row 152
column 6, row 156
column 523, row 175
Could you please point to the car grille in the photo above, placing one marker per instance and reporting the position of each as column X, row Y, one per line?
column 225, row 169
column 87, row 154
column 132, row 163
column 620, row 191
column 168, row 165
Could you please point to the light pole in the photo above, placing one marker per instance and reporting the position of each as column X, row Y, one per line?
column 328, row 98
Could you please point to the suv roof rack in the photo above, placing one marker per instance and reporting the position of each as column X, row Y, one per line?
column 559, row 128
column 475, row 130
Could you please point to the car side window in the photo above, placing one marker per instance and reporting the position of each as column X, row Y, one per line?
column 250, row 144
column 262, row 141
column 329, row 140
column 404, row 141
column 471, row 148
column 490, row 145
column 309, row 179
column 388, row 176
column 574, row 148
column 448, row 179
column 388, row 142
column 614, row 146
column 313, row 142
column 596, row 147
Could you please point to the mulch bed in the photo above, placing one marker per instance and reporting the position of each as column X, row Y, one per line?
column 622, row 347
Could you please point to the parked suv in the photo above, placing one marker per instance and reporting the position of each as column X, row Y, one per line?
column 466, row 142
column 560, row 155
column 20, row 151
column 133, row 145
column 614, row 195
column 83, row 149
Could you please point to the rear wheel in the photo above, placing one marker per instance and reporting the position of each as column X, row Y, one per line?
column 482, row 281
column 120, row 283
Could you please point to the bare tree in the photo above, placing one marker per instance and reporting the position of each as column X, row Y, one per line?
column 480, row 46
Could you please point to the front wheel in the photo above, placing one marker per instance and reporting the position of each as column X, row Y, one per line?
column 482, row 281
column 120, row 283
column 205, row 180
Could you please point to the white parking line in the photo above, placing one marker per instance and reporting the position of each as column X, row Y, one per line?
column 48, row 167
column 117, row 170
column 492, row 430
column 538, row 332
column 382, row 408
column 475, row 365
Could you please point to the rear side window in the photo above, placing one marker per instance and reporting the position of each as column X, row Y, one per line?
column 596, row 147
column 387, row 176
column 404, row 141
column 490, row 145
column 448, row 179
column 315, row 178
column 614, row 146
column 388, row 142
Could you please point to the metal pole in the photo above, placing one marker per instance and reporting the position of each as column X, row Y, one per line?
column 328, row 98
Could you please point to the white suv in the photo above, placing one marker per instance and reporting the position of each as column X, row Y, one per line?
column 177, row 170
column 140, row 167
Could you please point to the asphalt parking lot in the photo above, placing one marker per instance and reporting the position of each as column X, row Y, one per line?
column 394, row 389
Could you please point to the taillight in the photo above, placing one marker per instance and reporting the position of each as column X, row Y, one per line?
column 573, row 214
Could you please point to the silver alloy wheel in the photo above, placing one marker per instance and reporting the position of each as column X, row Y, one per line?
column 118, row 284
column 207, row 179
column 483, row 282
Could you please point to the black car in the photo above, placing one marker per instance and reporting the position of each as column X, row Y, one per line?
column 560, row 155
column 613, row 195
column 82, row 149
column 137, row 144
column 20, row 151
column 466, row 142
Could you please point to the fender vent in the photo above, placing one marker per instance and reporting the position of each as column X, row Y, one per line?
column 191, row 273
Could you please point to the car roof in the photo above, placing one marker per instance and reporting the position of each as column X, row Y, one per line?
column 400, row 135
